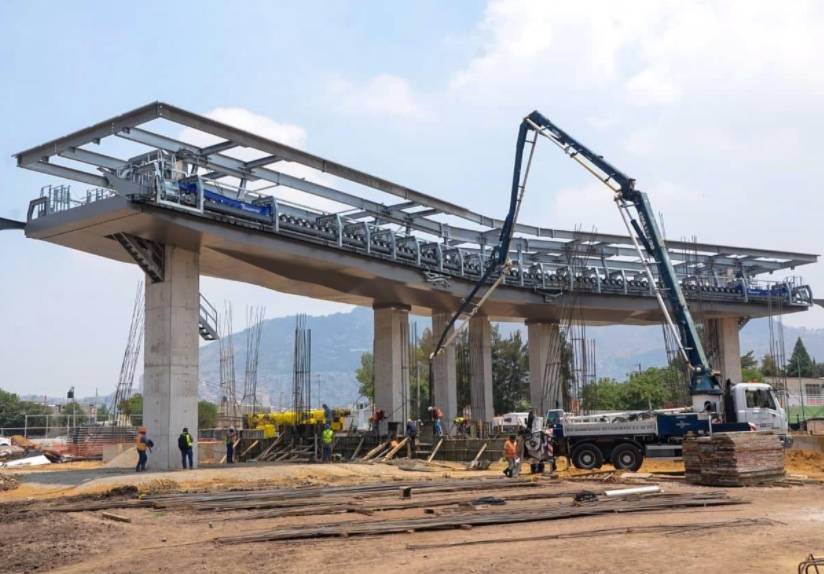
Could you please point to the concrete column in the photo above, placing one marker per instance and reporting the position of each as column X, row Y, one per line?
column 480, row 368
column 171, row 357
column 723, row 334
column 444, row 373
column 544, row 348
column 391, row 353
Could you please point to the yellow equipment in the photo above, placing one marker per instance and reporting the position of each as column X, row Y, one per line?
column 273, row 423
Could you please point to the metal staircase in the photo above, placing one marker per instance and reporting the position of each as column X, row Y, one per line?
column 207, row 320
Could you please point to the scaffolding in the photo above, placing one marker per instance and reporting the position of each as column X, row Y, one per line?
column 128, row 366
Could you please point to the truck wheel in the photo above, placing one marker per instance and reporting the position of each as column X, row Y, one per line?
column 587, row 456
column 626, row 456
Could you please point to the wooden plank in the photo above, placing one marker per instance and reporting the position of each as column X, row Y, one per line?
column 251, row 446
column 115, row 517
column 262, row 456
column 434, row 451
column 394, row 451
column 474, row 462
column 375, row 451
column 357, row 449
column 237, row 442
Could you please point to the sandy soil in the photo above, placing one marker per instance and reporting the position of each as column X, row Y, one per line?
column 181, row 541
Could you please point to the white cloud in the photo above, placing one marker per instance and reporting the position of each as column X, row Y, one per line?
column 384, row 95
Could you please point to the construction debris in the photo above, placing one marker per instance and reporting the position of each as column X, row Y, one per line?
column 734, row 459
column 654, row 529
column 115, row 517
column 7, row 482
column 487, row 517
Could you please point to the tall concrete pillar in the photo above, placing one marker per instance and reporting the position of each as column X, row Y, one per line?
column 391, row 353
column 170, row 359
column 444, row 373
column 544, row 359
column 726, row 356
column 480, row 368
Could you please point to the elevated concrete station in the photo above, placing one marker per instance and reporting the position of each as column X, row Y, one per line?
column 233, row 209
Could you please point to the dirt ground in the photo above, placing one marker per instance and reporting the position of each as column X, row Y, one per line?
column 39, row 540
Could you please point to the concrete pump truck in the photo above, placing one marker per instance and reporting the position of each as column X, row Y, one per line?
column 625, row 441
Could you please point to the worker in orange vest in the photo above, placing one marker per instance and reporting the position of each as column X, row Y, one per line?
column 143, row 445
column 513, row 468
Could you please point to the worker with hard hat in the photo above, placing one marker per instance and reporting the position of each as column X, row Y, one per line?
column 186, row 444
column 513, row 467
column 143, row 445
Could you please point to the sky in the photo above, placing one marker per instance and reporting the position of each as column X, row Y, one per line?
column 714, row 107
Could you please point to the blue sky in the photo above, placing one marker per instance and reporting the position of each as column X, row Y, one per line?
column 713, row 107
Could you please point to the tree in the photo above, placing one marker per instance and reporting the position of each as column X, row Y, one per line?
column 752, row 375
column 768, row 366
column 72, row 408
column 510, row 371
column 131, row 406
column 365, row 375
column 800, row 364
column 748, row 360
column 13, row 411
column 206, row 414
column 647, row 389
column 603, row 395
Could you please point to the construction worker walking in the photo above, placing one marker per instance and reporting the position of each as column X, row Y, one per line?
column 327, row 437
column 186, row 443
column 143, row 446
column 437, row 420
column 230, row 445
column 513, row 468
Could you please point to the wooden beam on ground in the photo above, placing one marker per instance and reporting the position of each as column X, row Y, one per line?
column 434, row 451
column 357, row 449
column 394, row 451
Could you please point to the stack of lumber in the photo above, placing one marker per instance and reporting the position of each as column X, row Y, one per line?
column 734, row 459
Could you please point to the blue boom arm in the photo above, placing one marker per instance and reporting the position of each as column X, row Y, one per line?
column 647, row 233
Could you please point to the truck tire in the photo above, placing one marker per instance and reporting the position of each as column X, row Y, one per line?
column 587, row 456
column 626, row 456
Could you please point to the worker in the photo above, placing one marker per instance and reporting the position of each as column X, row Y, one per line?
column 143, row 446
column 327, row 436
column 461, row 426
column 186, row 443
column 511, row 455
column 231, row 437
column 327, row 414
column 437, row 416
column 412, row 434
column 376, row 419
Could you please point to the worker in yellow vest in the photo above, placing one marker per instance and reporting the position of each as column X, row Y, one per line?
column 327, row 437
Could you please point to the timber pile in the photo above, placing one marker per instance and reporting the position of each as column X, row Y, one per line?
column 472, row 518
column 734, row 459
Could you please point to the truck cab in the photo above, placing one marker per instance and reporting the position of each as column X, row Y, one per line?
column 756, row 404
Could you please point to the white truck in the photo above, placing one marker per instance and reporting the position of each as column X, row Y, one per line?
column 625, row 440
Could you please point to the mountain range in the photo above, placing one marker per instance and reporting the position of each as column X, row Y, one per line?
column 339, row 340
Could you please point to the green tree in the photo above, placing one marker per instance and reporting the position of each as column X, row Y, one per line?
column 768, row 366
column 748, row 360
column 752, row 375
column 603, row 395
column 13, row 411
column 647, row 389
column 365, row 375
column 72, row 408
column 132, row 406
column 206, row 414
column 800, row 364
column 510, row 372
